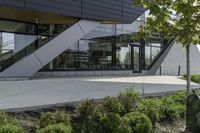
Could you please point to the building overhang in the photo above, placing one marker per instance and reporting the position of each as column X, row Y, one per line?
column 50, row 11
column 16, row 14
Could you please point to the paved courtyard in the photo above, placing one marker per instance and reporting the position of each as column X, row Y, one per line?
column 39, row 92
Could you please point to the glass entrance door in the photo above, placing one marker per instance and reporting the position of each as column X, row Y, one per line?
column 135, row 58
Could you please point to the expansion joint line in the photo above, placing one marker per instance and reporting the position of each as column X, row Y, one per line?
column 81, row 28
column 38, row 59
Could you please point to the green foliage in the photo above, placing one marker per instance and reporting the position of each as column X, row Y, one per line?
column 113, row 105
column 89, row 119
column 54, row 118
column 111, row 123
column 179, row 98
column 125, row 127
column 195, row 78
column 151, row 108
column 138, row 122
column 171, row 110
column 56, row 128
column 10, row 128
column 177, row 19
column 130, row 100
column 97, row 118
column 6, row 119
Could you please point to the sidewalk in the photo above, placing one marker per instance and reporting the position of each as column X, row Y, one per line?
column 40, row 92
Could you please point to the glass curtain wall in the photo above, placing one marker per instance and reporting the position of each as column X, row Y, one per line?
column 19, row 39
column 152, row 50
column 86, row 55
column 108, row 47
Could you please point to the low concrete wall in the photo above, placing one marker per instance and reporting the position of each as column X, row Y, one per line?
column 84, row 73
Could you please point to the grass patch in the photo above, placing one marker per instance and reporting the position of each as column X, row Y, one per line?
column 194, row 78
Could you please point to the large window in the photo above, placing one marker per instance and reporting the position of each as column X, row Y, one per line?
column 19, row 39
column 108, row 47
column 152, row 50
column 86, row 55
column 123, row 56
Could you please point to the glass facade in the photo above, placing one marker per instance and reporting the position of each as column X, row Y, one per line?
column 107, row 47
column 19, row 39
column 152, row 50
column 118, row 52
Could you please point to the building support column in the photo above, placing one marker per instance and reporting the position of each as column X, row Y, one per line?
column 1, row 42
column 142, row 50
column 114, row 47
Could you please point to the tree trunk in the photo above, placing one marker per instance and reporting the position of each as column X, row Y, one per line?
column 188, row 70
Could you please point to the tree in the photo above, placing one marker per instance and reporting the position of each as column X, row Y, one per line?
column 178, row 19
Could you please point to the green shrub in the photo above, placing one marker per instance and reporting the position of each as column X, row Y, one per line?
column 113, row 105
column 197, row 92
column 172, row 111
column 195, row 78
column 111, row 123
column 125, row 127
column 151, row 108
column 130, row 100
column 56, row 128
column 9, row 128
column 6, row 119
column 138, row 122
column 89, row 119
column 179, row 98
column 50, row 118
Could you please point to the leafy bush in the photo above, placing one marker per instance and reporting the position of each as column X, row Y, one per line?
column 9, row 128
column 113, row 105
column 179, row 98
column 172, row 111
column 138, row 122
column 89, row 118
column 54, row 118
column 151, row 108
column 111, row 123
column 56, row 128
column 125, row 127
column 6, row 119
column 195, row 78
column 130, row 100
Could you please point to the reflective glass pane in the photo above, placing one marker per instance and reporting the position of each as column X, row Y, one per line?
column 136, row 59
column 123, row 56
column 147, row 55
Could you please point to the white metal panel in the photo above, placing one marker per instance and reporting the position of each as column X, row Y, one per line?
column 22, row 68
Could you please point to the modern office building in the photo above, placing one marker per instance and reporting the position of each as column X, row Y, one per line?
column 82, row 37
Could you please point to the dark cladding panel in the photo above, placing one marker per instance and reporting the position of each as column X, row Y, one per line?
column 12, row 3
column 63, row 7
column 104, row 10
column 108, row 10
column 130, row 12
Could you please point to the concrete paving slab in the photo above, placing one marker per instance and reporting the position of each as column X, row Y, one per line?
column 40, row 92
